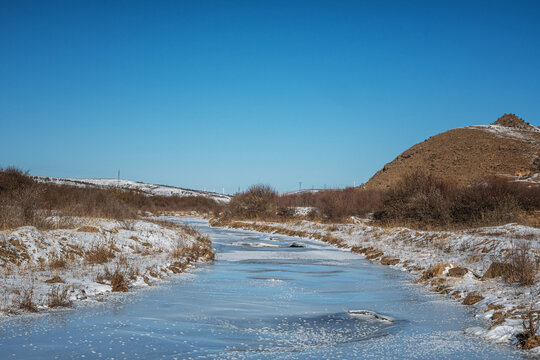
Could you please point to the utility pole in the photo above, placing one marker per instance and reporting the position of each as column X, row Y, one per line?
column 299, row 185
column 118, row 177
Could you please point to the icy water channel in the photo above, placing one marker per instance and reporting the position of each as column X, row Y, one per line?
column 261, row 299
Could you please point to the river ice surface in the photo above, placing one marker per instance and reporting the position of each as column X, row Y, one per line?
column 261, row 299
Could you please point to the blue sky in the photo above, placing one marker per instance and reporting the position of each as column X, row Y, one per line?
column 231, row 93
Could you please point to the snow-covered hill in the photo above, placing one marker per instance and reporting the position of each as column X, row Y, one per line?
column 150, row 189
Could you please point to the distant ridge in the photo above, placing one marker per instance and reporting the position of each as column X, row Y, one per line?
column 149, row 189
column 508, row 147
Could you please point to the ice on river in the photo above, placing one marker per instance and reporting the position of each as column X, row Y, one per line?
column 261, row 302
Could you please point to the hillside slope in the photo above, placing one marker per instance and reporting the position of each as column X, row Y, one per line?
column 149, row 189
column 508, row 147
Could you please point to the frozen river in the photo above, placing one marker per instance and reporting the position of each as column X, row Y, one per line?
column 261, row 299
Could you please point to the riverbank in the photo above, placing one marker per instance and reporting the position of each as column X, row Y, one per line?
column 455, row 263
column 44, row 269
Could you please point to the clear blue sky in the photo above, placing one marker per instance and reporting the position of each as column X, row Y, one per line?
column 232, row 93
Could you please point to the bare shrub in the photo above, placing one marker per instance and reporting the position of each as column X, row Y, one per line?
column 524, row 263
column 116, row 279
column 24, row 201
column 257, row 201
column 118, row 282
column 530, row 320
column 422, row 200
column 58, row 296
column 26, row 299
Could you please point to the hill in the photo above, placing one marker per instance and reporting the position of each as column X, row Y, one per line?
column 149, row 189
column 508, row 147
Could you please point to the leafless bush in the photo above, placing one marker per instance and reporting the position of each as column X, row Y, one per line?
column 58, row 296
column 530, row 320
column 118, row 282
column 524, row 263
column 258, row 201
column 26, row 299
column 24, row 201
column 422, row 200
column 116, row 279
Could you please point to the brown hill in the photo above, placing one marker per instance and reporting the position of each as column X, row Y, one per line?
column 509, row 147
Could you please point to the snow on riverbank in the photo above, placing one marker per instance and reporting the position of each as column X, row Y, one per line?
column 42, row 269
column 449, row 262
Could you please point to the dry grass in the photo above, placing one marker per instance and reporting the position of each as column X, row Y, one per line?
column 530, row 320
column 58, row 296
column 99, row 254
column 25, row 300
column 524, row 263
column 57, row 261
column 24, row 201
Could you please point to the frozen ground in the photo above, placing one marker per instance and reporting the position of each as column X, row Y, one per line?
column 262, row 302
column 416, row 251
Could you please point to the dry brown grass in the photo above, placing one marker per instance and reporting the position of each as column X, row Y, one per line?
column 524, row 263
column 24, row 201
column 25, row 300
column 99, row 254
column 58, row 296
column 118, row 282
column 530, row 320
column 57, row 261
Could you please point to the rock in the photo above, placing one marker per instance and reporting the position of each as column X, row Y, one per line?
column 297, row 245
column 457, row 272
column 472, row 298
column 497, row 269
column 386, row 260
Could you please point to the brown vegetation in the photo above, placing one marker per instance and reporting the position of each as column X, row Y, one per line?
column 418, row 200
column 26, row 299
column 523, row 263
column 468, row 154
column 58, row 296
column 24, row 201
column 99, row 254
column 529, row 338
